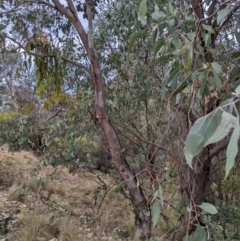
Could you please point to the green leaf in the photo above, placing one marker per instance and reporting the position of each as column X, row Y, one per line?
column 184, row 211
column 160, row 190
column 200, row 234
column 156, row 210
column 208, row 207
column 171, row 76
column 216, row 67
column 237, row 91
column 133, row 38
column 228, row 122
column 159, row 45
column 142, row 12
column 2, row 26
column 156, row 15
column 236, row 54
column 179, row 51
column 155, row 239
column 227, row 105
column 171, row 9
column 208, row 28
column 232, row 149
column 200, row 133
column 188, row 238
column 171, row 22
column 235, row 73
column 222, row 14
column 237, row 35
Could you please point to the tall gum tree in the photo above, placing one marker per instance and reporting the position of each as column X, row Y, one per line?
column 211, row 17
column 194, row 47
column 69, row 12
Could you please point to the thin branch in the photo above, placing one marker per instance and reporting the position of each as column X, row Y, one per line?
column 229, row 16
column 56, row 114
column 90, row 25
column 72, row 15
column 76, row 64
column 220, row 7
column 210, row 11
column 159, row 147
column 51, row 55
column 62, row 9
column 45, row 3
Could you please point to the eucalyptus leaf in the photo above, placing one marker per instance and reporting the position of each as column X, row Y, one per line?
column 2, row 27
column 227, row 123
column 237, row 91
column 216, row 67
column 208, row 28
column 200, row 133
column 156, row 15
column 200, row 234
column 237, row 35
column 142, row 11
column 156, row 210
column 222, row 14
column 227, row 105
column 188, row 238
column 234, row 73
column 133, row 38
column 171, row 9
column 159, row 45
column 232, row 149
column 236, row 54
column 208, row 207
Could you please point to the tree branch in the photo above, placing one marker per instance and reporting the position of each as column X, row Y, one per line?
column 51, row 55
column 220, row 7
column 159, row 147
column 90, row 25
column 197, row 8
column 45, row 3
column 72, row 16
column 210, row 11
column 227, row 18
column 222, row 145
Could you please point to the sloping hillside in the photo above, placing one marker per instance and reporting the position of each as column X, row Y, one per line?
column 55, row 205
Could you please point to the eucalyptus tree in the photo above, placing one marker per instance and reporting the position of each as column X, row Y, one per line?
column 201, row 47
column 65, row 44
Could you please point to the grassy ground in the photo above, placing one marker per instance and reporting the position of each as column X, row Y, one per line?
column 55, row 205
column 63, row 206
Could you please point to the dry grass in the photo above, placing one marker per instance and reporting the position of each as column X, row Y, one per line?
column 40, row 227
column 68, row 230
column 34, row 227
column 14, row 167
column 16, row 193
column 72, row 192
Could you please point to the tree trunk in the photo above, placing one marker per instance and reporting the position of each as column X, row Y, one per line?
column 139, row 203
column 138, row 200
column 197, row 185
